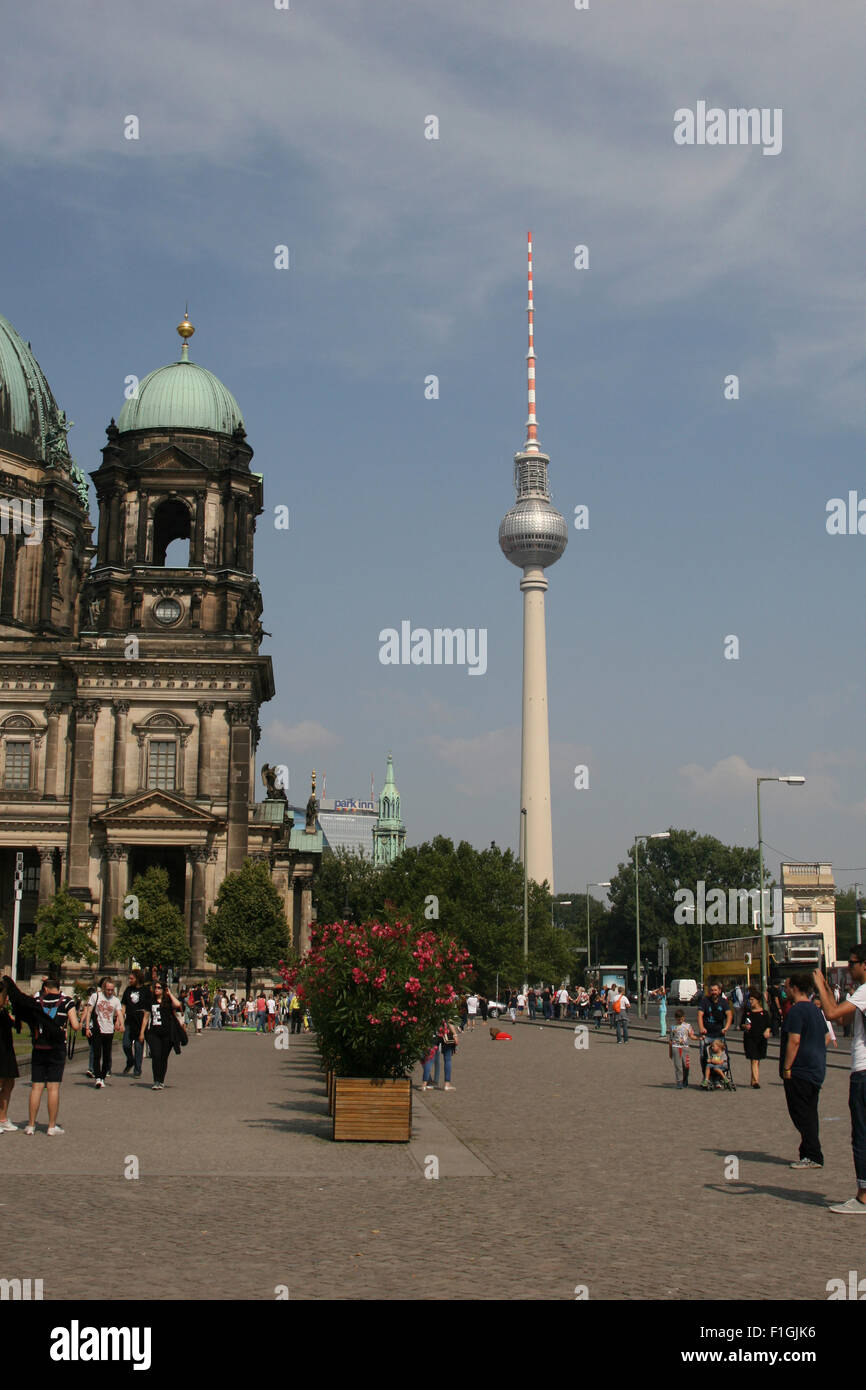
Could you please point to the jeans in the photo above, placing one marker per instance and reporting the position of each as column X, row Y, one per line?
column 857, row 1106
column 101, row 1044
column 802, row 1097
column 261, row 1023
column 597, row 1018
column 621, row 1021
column 532, row 1008
column 448, row 1054
column 160, row 1047
column 216, row 1020
column 428, row 1068
column 132, row 1048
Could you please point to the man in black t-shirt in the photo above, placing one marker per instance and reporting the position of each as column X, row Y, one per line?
column 49, row 1057
column 715, row 1017
column 803, row 1066
column 136, row 1002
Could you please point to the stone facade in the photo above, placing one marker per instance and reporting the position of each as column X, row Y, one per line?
column 130, row 688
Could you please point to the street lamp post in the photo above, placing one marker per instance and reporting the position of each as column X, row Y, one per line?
column 659, row 835
column 791, row 781
column 857, row 910
column 605, row 884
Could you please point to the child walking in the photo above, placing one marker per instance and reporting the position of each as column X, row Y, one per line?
column 681, row 1035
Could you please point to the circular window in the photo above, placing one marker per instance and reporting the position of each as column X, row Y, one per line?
column 167, row 610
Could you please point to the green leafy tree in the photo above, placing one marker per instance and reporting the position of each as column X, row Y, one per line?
column 246, row 929
column 666, row 866
column 59, row 936
column 347, row 881
column 477, row 897
column 151, row 929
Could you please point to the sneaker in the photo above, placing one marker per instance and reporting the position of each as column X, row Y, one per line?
column 127, row 1069
column 100, row 1085
column 679, row 1085
column 55, row 1129
column 807, row 1163
column 705, row 1085
column 8, row 1125
column 136, row 1073
column 449, row 1087
column 155, row 1086
column 31, row 1129
column 852, row 1206
column 90, row 1073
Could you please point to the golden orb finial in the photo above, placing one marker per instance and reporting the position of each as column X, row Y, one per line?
column 185, row 328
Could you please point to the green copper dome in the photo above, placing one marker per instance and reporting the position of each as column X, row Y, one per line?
column 28, row 410
column 181, row 396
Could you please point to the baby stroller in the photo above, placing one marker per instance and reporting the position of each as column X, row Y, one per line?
column 718, row 1066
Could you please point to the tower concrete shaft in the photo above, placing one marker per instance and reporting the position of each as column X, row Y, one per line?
column 536, row 850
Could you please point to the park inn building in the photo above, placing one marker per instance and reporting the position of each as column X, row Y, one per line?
column 130, row 673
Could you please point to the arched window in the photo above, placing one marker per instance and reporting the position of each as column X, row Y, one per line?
column 16, row 733
column 171, row 533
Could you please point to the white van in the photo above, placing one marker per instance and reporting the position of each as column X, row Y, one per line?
column 681, row 991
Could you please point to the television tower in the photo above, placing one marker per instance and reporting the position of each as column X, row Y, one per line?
column 532, row 536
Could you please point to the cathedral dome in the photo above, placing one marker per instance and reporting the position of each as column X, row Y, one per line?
column 181, row 396
column 27, row 407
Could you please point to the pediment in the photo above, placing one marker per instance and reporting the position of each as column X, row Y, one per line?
column 150, row 806
column 169, row 458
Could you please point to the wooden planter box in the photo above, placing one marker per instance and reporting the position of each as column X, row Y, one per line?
column 365, row 1108
column 329, row 1076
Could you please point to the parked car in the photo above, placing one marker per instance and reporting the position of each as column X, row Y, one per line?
column 495, row 1009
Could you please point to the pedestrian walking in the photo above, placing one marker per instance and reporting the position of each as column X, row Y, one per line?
column 55, row 1012
column 449, row 1042
column 272, row 1013
column 850, row 1012
column 597, row 1007
column 156, row 1026
column 261, row 1013
column 621, row 1006
column 755, row 1023
column 803, row 1066
column 8, row 1061
column 103, row 1016
column 681, row 1035
column 715, row 1017
column 532, row 1000
column 295, row 1012
column 134, row 1000
column 472, row 1009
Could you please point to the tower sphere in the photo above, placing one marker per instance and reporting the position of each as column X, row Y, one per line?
column 533, row 533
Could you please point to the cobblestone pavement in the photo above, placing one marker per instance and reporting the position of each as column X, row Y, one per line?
column 547, row 1153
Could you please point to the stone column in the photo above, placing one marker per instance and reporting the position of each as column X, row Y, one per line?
column 118, row 760
column 46, row 874
column 64, row 865
column 205, row 712
column 306, row 915
column 229, row 530
column 198, row 856
column 114, row 547
column 197, row 547
column 240, row 718
column 141, row 542
column 81, row 799
column 118, row 887
column 102, row 538
column 49, row 785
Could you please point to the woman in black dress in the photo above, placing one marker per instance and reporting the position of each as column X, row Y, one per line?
column 156, row 1026
column 8, row 1064
column 755, row 1024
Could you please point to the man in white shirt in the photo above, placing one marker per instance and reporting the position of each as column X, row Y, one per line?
column 621, row 1007
column 562, row 1000
column 852, row 1011
column 472, row 1009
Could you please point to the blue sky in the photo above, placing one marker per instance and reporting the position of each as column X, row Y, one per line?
column 305, row 127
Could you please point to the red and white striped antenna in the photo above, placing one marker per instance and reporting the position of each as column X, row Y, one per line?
column 531, row 445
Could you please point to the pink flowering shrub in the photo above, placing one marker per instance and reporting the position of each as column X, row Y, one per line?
column 377, row 993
